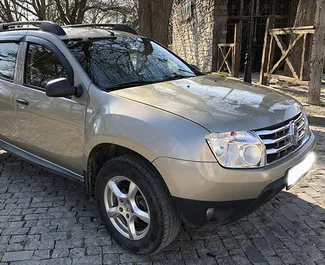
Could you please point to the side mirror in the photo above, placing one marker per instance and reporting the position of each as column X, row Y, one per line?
column 61, row 87
column 195, row 67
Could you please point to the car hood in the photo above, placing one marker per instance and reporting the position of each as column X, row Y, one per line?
column 216, row 103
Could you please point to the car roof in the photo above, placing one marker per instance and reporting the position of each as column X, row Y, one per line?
column 78, row 33
column 66, row 32
column 74, row 33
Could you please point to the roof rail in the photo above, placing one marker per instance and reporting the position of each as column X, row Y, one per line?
column 120, row 27
column 46, row 26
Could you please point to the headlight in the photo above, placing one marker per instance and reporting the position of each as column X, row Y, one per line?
column 237, row 149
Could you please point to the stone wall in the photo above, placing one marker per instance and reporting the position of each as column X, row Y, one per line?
column 196, row 38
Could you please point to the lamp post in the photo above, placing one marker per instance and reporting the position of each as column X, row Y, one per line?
column 249, row 54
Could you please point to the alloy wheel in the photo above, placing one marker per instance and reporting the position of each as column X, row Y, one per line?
column 127, row 208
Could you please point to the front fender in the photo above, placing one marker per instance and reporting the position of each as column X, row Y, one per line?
column 131, row 133
column 149, row 131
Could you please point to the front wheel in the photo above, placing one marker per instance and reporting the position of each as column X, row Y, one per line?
column 135, row 205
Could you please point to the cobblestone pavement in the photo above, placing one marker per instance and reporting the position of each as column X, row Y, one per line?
column 46, row 219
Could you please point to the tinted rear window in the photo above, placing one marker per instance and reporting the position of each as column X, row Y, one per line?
column 8, row 58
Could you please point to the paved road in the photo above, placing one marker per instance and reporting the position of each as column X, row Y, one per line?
column 46, row 219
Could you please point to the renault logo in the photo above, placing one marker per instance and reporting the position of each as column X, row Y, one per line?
column 294, row 134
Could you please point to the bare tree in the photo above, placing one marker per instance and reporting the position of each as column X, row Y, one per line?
column 132, row 16
column 68, row 11
column 118, row 12
column 154, row 16
column 15, row 10
column 77, row 11
column 10, row 12
column 6, row 13
column 35, row 8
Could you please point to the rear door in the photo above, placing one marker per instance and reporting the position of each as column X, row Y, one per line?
column 9, row 48
column 51, row 128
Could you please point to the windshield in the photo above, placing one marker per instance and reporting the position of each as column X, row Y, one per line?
column 118, row 62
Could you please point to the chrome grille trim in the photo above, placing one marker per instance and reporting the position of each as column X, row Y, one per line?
column 279, row 142
column 268, row 132
column 301, row 126
column 275, row 151
column 302, row 134
column 269, row 141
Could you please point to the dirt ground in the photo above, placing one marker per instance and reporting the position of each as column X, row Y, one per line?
column 298, row 92
column 301, row 94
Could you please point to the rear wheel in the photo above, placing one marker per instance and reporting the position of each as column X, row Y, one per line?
column 135, row 205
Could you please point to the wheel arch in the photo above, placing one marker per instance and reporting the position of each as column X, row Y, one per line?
column 102, row 152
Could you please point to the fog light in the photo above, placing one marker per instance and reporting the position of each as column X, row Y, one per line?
column 210, row 213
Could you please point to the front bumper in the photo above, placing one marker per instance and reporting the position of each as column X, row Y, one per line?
column 196, row 214
column 229, row 193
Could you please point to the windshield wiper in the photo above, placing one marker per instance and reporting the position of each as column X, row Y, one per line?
column 130, row 84
column 142, row 83
column 176, row 77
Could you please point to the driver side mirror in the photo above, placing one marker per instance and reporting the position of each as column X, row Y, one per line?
column 61, row 87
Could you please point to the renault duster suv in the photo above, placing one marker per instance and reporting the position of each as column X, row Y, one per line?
column 157, row 142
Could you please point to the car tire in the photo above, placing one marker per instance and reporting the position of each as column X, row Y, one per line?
column 159, row 223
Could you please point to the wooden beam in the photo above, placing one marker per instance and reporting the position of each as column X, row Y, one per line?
column 221, row 45
column 306, row 72
column 285, row 54
column 266, row 50
column 302, row 63
column 225, row 59
column 288, row 79
column 236, row 50
column 281, row 45
column 270, row 55
column 296, row 30
column 317, row 56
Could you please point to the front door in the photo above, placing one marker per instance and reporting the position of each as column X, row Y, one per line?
column 51, row 128
column 8, row 60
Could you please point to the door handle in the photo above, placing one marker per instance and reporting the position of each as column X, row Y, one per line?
column 22, row 101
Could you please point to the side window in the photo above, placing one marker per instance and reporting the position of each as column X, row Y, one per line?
column 8, row 58
column 42, row 66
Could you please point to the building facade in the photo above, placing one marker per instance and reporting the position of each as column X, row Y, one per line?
column 198, row 26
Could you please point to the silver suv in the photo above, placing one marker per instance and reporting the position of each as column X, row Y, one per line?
column 157, row 142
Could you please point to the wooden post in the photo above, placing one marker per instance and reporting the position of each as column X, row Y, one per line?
column 266, row 51
column 218, row 58
column 317, row 55
column 249, row 56
column 306, row 70
column 236, row 50
column 303, row 58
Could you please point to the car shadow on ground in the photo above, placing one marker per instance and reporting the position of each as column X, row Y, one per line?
column 48, row 209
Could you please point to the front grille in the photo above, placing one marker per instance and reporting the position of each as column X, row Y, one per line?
column 280, row 139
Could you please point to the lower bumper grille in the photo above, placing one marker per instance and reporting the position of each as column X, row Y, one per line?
column 282, row 139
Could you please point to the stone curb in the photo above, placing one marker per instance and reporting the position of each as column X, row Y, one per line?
column 316, row 120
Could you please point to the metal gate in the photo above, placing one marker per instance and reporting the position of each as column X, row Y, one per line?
column 239, row 11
